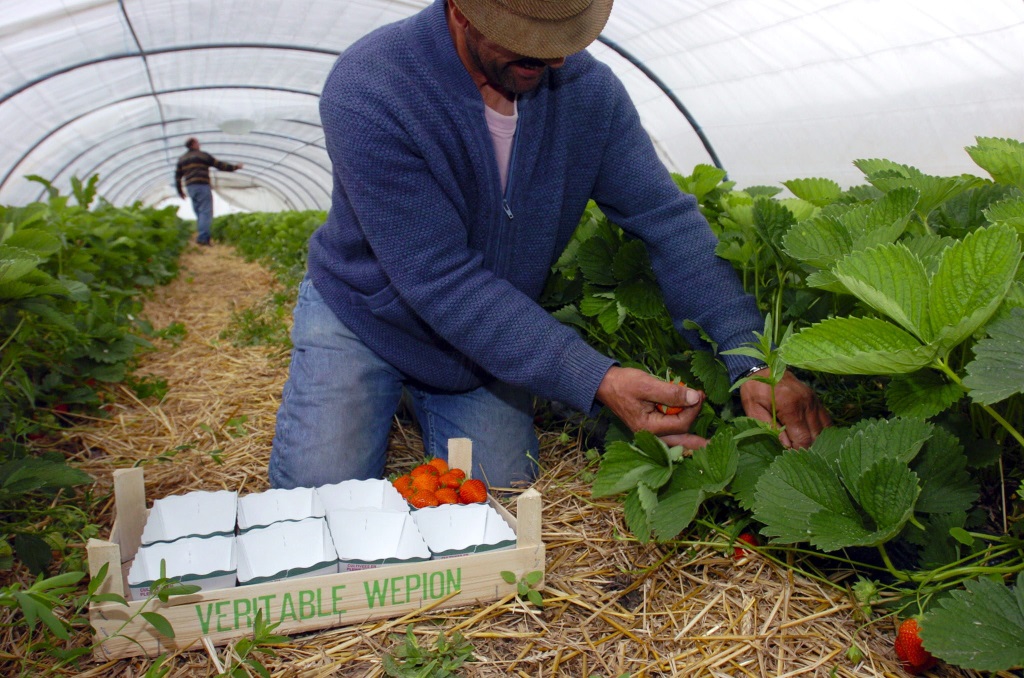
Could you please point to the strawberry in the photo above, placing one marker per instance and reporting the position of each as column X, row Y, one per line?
column 472, row 492
column 440, row 464
column 424, row 469
column 426, row 481
column 668, row 409
column 738, row 553
column 423, row 498
column 915, row 658
column 403, row 484
column 452, row 478
column 447, row 495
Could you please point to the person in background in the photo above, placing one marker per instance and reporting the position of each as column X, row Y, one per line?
column 465, row 144
column 193, row 170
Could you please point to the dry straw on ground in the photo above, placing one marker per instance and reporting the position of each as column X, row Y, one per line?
column 612, row 606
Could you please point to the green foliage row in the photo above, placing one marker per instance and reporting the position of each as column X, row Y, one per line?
column 72, row 278
column 903, row 302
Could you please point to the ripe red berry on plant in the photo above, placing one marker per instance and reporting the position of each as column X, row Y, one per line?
column 909, row 649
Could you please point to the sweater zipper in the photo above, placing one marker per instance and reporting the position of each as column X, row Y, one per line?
column 511, row 167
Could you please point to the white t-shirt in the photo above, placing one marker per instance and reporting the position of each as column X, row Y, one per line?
column 503, row 131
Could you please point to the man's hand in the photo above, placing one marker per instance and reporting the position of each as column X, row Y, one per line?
column 633, row 395
column 797, row 408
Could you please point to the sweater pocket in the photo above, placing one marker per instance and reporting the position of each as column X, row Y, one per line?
column 387, row 306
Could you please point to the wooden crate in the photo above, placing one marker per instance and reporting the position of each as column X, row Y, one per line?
column 217, row 617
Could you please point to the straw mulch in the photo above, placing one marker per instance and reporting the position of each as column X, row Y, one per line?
column 612, row 606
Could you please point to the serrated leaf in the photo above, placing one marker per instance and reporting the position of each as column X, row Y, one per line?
column 923, row 394
column 892, row 281
column 772, row 220
column 881, row 221
column 855, row 346
column 623, row 468
column 997, row 371
column 641, row 298
column 897, row 439
column 816, row 191
column 946, row 486
column 887, row 492
column 979, row 628
column 713, row 376
column 756, row 454
column 819, row 241
column 796, row 487
column 638, row 519
column 595, row 257
column 612, row 317
column 675, row 511
column 970, row 283
column 36, row 240
column 1003, row 159
column 1009, row 212
column 630, row 261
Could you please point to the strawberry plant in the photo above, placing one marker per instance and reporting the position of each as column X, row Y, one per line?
column 902, row 302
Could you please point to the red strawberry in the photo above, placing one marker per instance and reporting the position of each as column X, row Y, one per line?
column 423, row 498
column 738, row 553
column 472, row 492
column 668, row 409
column 452, row 478
column 447, row 495
column 915, row 658
column 440, row 464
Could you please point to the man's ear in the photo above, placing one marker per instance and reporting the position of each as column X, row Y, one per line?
column 457, row 15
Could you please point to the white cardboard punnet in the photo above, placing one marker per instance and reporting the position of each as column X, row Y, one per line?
column 286, row 550
column 458, row 529
column 260, row 509
column 366, row 539
column 375, row 494
column 193, row 514
column 207, row 562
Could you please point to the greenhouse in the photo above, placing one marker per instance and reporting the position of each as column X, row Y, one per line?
column 528, row 337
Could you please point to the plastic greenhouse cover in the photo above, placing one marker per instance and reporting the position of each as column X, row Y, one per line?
column 770, row 90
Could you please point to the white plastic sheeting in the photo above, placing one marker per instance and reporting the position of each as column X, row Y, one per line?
column 779, row 89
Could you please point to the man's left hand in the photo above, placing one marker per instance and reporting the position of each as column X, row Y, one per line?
column 797, row 408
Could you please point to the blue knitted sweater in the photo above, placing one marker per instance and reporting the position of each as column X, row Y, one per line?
column 419, row 255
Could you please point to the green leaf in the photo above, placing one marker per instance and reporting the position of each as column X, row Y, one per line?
column 980, row 628
column 641, row 298
column 892, row 281
column 636, row 514
column 624, row 466
column 595, row 258
column 946, row 486
column 899, row 439
column 922, row 394
column 713, row 375
column 1003, row 159
column 997, row 371
column 756, row 454
column 816, row 191
column 159, row 622
column 887, row 492
column 973, row 277
column 509, row 577
column 882, row 221
column 855, row 346
column 1009, row 212
column 819, row 241
column 796, row 487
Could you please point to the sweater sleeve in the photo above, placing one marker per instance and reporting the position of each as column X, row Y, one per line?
column 416, row 229
column 637, row 192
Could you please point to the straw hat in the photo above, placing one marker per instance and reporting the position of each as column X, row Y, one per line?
column 544, row 29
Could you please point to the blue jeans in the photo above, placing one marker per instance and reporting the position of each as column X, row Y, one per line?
column 337, row 407
column 202, row 205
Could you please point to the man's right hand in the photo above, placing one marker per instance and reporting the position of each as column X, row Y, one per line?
column 633, row 395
